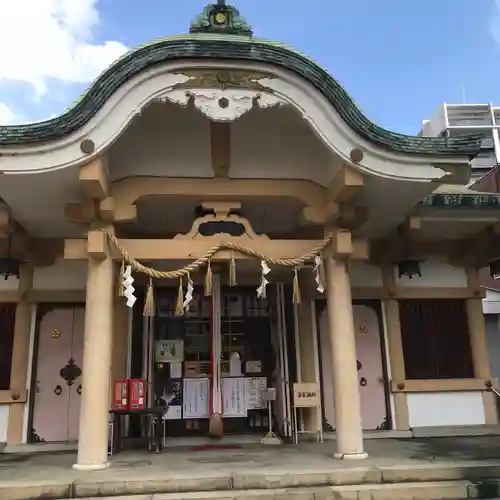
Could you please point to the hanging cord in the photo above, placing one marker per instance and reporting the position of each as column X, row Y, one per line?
column 205, row 259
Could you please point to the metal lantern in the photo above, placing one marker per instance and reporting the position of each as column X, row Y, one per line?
column 410, row 268
column 495, row 269
column 9, row 266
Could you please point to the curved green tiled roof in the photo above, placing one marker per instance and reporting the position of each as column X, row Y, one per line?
column 230, row 42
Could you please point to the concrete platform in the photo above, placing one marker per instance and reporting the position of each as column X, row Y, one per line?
column 437, row 468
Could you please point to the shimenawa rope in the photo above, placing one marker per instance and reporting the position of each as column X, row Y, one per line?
column 205, row 259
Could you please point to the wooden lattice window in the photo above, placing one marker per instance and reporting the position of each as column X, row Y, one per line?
column 7, row 320
column 436, row 342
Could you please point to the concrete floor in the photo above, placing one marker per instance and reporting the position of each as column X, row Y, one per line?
column 24, row 475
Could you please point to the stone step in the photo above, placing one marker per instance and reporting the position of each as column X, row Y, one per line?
column 433, row 490
column 467, row 480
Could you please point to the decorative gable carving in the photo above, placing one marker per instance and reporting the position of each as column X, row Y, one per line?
column 222, row 225
column 223, row 105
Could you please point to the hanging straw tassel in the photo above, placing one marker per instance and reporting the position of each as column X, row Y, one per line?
column 121, row 288
column 208, row 281
column 149, row 304
column 179, row 308
column 296, row 287
column 232, row 272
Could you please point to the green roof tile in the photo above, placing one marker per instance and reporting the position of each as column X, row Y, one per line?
column 457, row 196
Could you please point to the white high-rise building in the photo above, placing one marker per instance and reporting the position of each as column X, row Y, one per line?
column 461, row 119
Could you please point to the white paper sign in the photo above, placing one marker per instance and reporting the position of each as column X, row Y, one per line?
column 173, row 413
column 196, row 398
column 176, row 369
column 255, row 386
column 233, row 397
column 169, row 350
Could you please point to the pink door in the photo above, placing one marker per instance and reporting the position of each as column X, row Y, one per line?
column 58, row 371
column 75, row 388
column 370, row 371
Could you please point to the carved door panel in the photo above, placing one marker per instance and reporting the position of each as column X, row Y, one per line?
column 370, row 370
column 75, row 388
column 50, row 414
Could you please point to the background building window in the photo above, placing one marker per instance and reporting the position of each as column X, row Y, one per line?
column 435, row 337
column 7, row 320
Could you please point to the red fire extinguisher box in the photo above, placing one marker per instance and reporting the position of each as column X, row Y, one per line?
column 121, row 397
column 137, row 391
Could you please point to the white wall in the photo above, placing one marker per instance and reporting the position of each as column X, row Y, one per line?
column 435, row 273
column 9, row 285
column 362, row 274
column 63, row 275
column 491, row 303
column 4, row 421
column 433, row 409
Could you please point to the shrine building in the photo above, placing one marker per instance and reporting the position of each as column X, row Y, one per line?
column 277, row 238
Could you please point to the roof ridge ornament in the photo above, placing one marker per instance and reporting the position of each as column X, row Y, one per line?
column 221, row 18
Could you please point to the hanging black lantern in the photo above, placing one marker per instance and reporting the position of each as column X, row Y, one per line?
column 495, row 269
column 410, row 268
column 9, row 266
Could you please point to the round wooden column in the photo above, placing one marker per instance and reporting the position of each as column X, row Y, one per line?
column 345, row 377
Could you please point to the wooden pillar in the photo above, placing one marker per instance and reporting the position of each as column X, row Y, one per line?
column 93, row 433
column 480, row 359
column 20, row 354
column 395, row 346
column 307, row 356
column 345, row 377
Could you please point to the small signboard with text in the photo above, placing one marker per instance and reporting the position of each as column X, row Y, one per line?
column 306, row 395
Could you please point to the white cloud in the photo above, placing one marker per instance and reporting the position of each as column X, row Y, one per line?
column 495, row 21
column 7, row 116
column 52, row 39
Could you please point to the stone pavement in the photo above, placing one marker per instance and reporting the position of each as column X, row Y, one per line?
column 397, row 469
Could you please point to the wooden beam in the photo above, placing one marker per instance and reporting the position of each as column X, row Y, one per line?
column 341, row 244
column 57, row 296
column 94, row 180
column 351, row 216
column 320, row 214
column 13, row 396
column 81, row 212
column 345, row 185
column 97, row 245
column 127, row 192
column 220, row 148
column 444, row 385
column 6, row 221
column 401, row 242
column 478, row 250
column 221, row 208
column 167, row 249
column 412, row 223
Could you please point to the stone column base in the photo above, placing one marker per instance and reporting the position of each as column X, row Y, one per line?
column 350, row 456
column 87, row 467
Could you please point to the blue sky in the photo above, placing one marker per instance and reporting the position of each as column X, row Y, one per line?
column 398, row 59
